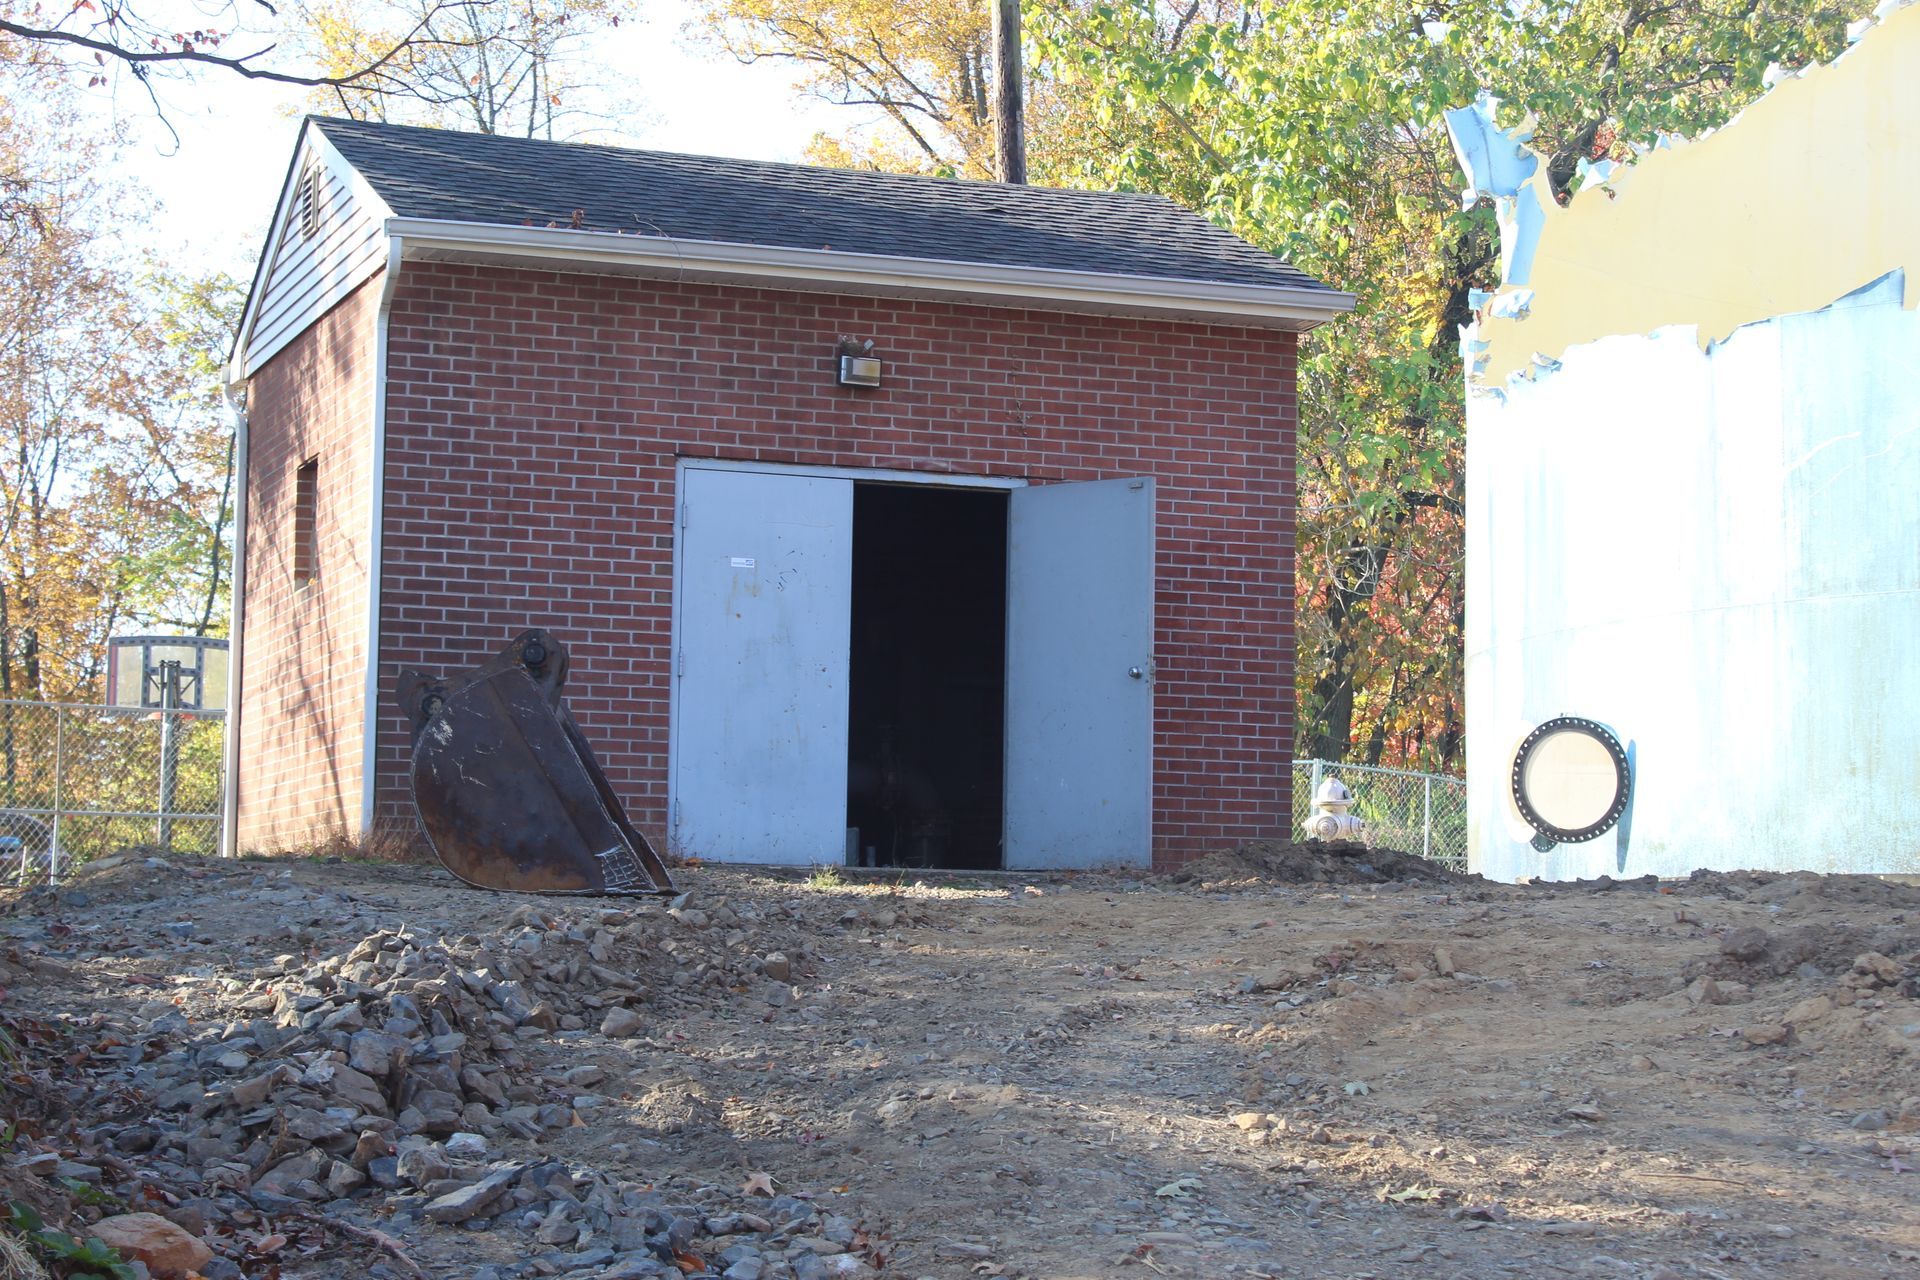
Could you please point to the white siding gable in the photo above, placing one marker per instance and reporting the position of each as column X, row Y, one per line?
column 318, row 250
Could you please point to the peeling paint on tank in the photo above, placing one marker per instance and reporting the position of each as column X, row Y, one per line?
column 1827, row 167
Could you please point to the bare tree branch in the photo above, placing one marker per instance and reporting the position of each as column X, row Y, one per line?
column 187, row 54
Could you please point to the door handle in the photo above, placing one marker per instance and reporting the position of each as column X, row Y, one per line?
column 1145, row 673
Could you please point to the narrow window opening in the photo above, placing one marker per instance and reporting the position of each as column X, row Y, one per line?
column 306, row 505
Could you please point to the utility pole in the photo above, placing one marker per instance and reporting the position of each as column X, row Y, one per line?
column 1009, row 97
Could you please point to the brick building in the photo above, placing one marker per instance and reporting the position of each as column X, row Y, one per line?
column 1026, row 602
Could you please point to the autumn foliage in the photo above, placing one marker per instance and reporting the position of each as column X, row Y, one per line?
column 115, row 459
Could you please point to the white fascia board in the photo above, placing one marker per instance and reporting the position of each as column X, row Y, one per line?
column 311, row 142
column 1276, row 306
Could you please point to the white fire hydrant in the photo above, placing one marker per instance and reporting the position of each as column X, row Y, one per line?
column 1330, row 820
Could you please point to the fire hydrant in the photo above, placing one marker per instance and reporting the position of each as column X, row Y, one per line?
column 1330, row 820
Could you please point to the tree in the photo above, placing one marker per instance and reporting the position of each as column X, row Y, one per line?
column 1312, row 127
column 181, row 461
column 491, row 66
column 63, row 326
column 244, row 37
column 115, row 467
column 28, row 74
column 922, row 64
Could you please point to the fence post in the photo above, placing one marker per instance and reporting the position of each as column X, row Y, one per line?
column 1426, row 819
column 169, row 748
column 59, row 777
column 1313, row 789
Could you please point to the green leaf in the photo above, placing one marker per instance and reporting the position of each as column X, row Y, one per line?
column 86, row 1193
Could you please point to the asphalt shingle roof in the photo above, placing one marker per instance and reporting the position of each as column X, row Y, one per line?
column 469, row 177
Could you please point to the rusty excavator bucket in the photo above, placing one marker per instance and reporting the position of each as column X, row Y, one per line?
column 507, row 789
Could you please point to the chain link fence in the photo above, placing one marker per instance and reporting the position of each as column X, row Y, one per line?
column 79, row 781
column 1421, row 813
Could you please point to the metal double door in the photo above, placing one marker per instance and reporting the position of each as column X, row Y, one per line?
column 763, row 612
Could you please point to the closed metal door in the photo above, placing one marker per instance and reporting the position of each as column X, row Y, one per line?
column 764, row 600
column 1079, row 785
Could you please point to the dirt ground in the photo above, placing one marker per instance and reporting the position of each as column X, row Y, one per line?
column 1220, row 1074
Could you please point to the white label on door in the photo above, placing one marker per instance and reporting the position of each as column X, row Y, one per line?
column 743, row 562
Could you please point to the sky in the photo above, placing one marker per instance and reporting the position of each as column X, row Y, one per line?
column 211, row 190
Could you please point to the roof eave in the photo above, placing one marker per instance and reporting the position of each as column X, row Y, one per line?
column 1270, row 306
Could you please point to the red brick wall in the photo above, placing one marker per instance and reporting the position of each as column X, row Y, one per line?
column 301, row 724
column 534, row 419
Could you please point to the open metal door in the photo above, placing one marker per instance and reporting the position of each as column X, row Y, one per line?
column 760, row 723
column 1079, row 785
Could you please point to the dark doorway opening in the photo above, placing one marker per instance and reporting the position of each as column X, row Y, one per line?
column 926, row 731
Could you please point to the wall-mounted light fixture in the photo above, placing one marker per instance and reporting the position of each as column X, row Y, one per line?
column 859, row 367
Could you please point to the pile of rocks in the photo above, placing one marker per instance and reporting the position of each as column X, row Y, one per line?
column 317, row 1077
column 404, row 1083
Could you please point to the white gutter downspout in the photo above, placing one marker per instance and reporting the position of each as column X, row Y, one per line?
column 234, row 394
column 376, row 516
